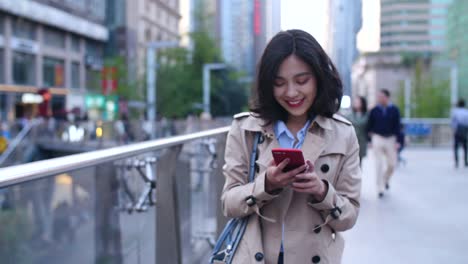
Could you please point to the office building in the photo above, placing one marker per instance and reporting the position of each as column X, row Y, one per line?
column 345, row 21
column 55, row 45
column 413, row 26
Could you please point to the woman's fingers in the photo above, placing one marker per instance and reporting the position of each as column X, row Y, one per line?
column 282, row 165
column 310, row 166
column 297, row 170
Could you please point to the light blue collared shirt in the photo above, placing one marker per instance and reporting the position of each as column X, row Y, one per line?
column 286, row 139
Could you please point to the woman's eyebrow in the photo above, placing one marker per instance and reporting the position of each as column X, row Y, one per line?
column 295, row 76
column 302, row 74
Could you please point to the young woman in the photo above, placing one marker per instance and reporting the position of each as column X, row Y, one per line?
column 295, row 216
column 359, row 119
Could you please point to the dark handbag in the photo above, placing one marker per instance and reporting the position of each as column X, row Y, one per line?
column 229, row 240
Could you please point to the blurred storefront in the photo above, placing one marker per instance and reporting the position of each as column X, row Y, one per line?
column 64, row 53
column 101, row 107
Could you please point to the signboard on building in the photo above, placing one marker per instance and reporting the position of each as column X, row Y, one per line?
column 24, row 45
column 102, row 107
column 109, row 80
column 58, row 75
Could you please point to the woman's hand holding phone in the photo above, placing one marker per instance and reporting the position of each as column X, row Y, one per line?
column 309, row 182
column 276, row 178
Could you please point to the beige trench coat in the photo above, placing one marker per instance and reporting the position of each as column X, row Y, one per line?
column 331, row 145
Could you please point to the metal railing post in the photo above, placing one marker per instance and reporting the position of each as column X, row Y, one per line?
column 168, row 244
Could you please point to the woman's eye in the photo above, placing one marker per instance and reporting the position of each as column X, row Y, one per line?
column 278, row 83
column 302, row 81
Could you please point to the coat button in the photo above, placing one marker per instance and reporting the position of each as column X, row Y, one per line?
column 317, row 229
column 316, row 259
column 259, row 256
column 325, row 168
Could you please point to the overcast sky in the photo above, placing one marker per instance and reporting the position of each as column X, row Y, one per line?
column 310, row 15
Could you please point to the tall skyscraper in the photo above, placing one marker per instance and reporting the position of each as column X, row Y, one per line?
column 345, row 21
column 415, row 26
column 236, row 34
column 135, row 23
column 266, row 23
column 457, row 42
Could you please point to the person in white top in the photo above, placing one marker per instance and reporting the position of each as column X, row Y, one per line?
column 459, row 118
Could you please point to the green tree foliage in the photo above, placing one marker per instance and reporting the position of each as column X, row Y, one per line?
column 180, row 80
column 430, row 97
column 126, row 87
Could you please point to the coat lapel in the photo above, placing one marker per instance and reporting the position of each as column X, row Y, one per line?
column 265, row 148
column 314, row 144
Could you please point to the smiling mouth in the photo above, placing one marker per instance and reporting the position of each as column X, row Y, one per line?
column 296, row 103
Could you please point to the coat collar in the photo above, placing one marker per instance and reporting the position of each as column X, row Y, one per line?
column 255, row 124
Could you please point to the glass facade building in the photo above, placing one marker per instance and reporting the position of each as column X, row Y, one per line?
column 416, row 26
column 457, row 42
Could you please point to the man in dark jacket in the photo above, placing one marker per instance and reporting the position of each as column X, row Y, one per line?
column 384, row 128
column 459, row 118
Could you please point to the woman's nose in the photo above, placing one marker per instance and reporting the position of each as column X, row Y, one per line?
column 291, row 91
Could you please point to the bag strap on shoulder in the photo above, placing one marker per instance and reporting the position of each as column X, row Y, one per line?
column 253, row 156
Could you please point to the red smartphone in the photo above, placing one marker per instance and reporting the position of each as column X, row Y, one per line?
column 296, row 159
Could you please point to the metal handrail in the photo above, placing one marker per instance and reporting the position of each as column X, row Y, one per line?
column 40, row 169
column 17, row 140
column 434, row 121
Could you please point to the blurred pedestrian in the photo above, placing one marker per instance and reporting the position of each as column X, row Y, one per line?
column 294, row 216
column 359, row 118
column 459, row 119
column 384, row 128
column 129, row 137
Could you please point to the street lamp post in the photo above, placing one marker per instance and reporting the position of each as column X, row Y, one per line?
column 151, row 80
column 453, row 78
column 454, row 83
column 206, row 85
column 407, row 98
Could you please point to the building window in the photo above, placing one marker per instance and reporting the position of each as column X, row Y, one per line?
column 93, row 78
column 75, row 43
column 94, row 49
column 53, row 72
column 2, row 78
column 75, row 75
column 97, row 8
column 148, row 35
column 1, row 25
column 3, row 106
column 77, row 4
column 24, row 68
column 24, row 29
column 54, row 38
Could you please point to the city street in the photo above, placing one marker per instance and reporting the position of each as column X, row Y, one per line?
column 421, row 220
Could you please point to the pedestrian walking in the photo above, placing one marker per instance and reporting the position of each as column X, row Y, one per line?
column 359, row 118
column 384, row 128
column 459, row 118
column 295, row 216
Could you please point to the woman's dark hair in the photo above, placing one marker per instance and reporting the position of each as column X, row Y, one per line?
column 363, row 104
column 305, row 47
column 461, row 103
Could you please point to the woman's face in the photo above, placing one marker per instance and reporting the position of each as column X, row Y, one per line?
column 295, row 87
column 357, row 104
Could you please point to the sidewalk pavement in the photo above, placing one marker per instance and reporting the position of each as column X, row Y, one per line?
column 422, row 219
